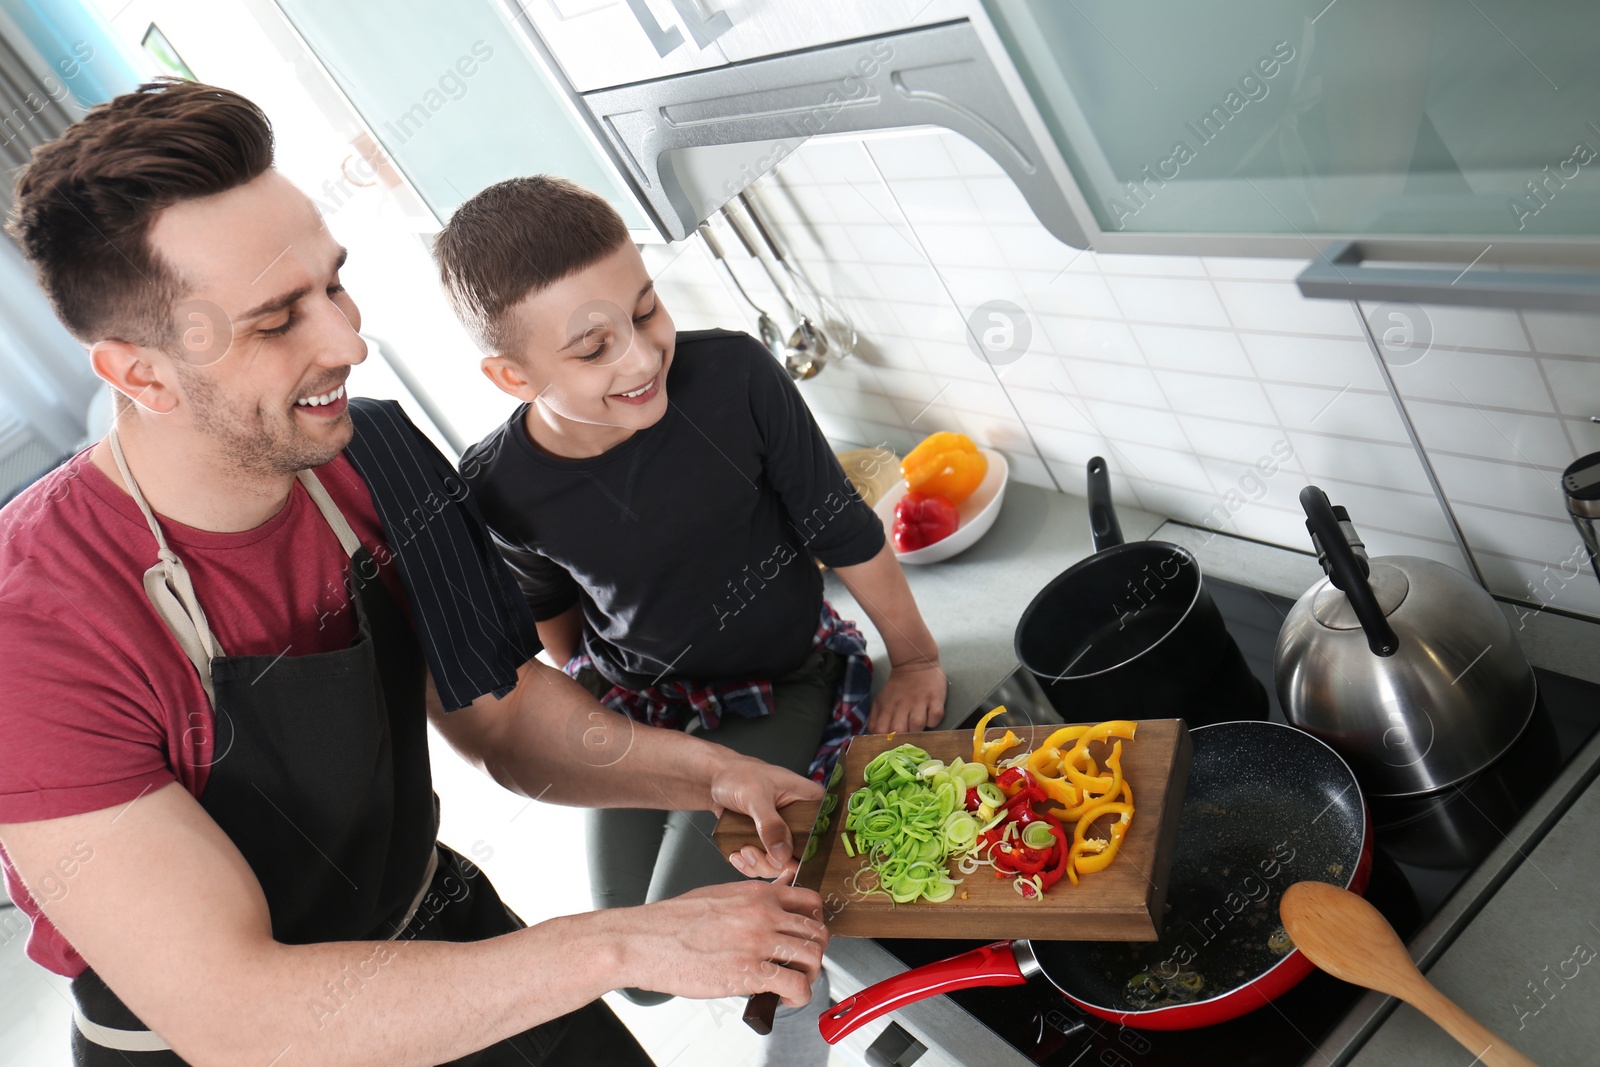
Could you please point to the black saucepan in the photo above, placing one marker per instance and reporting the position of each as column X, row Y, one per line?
column 1131, row 633
column 1267, row 806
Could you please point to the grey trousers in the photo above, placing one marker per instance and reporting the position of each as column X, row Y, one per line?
column 637, row 856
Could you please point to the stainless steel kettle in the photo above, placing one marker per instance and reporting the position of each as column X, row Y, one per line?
column 1405, row 666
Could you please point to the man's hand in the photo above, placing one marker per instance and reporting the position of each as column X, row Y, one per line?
column 912, row 699
column 758, row 790
column 725, row 940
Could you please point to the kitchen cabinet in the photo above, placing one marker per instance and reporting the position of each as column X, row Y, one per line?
column 771, row 27
column 604, row 44
column 601, row 43
column 1457, row 132
column 451, row 96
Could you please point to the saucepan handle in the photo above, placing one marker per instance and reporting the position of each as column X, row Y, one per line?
column 992, row 965
column 1103, row 525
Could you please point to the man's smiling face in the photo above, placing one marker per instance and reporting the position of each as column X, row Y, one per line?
column 265, row 334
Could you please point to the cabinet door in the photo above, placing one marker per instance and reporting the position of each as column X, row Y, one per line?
column 771, row 27
column 453, row 97
column 1306, row 121
column 602, row 43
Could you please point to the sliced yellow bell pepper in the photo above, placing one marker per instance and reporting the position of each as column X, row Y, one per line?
column 1094, row 789
column 989, row 752
column 1089, row 855
column 945, row 465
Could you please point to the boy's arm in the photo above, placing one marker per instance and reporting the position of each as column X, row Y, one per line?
column 913, row 696
column 562, row 636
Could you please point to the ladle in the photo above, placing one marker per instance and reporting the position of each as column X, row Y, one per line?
column 1351, row 940
column 771, row 336
column 800, row 363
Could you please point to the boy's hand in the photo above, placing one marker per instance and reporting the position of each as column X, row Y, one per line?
column 758, row 790
column 911, row 700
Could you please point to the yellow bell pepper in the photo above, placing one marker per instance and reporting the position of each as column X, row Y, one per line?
column 1097, row 789
column 989, row 752
column 945, row 465
column 1089, row 855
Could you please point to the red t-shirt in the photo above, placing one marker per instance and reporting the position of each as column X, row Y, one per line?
column 98, row 703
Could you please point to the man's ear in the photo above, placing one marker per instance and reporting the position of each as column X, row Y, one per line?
column 509, row 377
column 130, row 370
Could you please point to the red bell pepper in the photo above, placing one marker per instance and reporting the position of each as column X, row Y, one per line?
column 1057, row 865
column 921, row 520
column 1024, row 861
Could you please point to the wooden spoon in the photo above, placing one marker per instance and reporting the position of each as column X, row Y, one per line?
column 1347, row 937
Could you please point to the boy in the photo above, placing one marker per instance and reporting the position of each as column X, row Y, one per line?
column 661, row 498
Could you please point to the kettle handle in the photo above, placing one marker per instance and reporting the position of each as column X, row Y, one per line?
column 1103, row 524
column 1345, row 572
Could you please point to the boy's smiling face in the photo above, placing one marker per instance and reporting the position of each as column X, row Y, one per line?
column 591, row 356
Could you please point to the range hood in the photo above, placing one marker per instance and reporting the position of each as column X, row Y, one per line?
column 690, row 142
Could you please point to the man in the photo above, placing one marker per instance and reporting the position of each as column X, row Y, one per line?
column 219, row 630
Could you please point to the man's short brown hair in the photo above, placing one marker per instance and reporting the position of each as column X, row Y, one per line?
column 86, row 201
column 515, row 238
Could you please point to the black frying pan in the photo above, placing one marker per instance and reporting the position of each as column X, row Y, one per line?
column 1268, row 805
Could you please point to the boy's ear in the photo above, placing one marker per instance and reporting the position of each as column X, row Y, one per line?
column 509, row 377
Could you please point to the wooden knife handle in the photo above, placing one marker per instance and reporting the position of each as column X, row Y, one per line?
column 759, row 1010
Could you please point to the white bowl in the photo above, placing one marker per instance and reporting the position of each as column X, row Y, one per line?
column 977, row 512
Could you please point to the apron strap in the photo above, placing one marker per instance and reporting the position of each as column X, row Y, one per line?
column 169, row 589
column 330, row 512
column 120, row 1040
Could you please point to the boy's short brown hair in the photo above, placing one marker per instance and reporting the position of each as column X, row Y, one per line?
column 515, row 238
column 86, row 201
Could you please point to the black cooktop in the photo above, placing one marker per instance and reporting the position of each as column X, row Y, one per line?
column 1425, row 848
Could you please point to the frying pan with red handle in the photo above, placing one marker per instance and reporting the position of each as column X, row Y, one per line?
column 1267, row 806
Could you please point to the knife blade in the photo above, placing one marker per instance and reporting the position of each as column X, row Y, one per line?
column 761, row 1007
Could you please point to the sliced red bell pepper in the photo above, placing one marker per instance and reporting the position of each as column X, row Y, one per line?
column 1059, row 854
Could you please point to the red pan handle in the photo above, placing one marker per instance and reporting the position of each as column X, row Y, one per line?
column 991, row 965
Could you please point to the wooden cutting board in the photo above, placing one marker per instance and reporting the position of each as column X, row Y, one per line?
column 1122, row 903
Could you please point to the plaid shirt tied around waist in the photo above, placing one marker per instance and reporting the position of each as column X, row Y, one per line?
column 671, row 703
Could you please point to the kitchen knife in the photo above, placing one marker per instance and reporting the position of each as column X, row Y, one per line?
column 760, row 1008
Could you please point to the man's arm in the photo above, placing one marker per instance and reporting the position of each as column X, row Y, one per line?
column 551, row 740
column 913, row 696
column 169, row 914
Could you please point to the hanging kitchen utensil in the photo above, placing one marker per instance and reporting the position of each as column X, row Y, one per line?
column 1351, row 940
column 1267, row 806
column 1581, row 481
column 799, row 364
column 771, row 336
column 809, row 341
column 1131, row 632
column 1405, row 666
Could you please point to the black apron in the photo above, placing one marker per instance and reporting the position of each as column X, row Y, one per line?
column 320, row 777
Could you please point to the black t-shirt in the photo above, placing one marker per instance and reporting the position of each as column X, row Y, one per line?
column 690, row 544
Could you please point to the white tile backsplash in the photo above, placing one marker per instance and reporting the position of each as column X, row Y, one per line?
column 1184, row 372
column 1191, row 349
column 1176, row 301
column 1563, row 332
column 1279, row 307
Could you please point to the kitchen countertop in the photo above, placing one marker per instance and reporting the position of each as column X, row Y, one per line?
column 1528, row 966
column 1532, row 919
column 973, row 601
